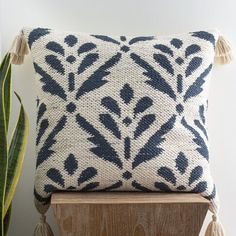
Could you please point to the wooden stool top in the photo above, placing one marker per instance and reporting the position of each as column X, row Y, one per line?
column 125, row 198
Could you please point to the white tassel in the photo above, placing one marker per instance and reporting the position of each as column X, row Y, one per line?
column 19, row 49
column 215, row 228
column 223, row 51
column 43, row 228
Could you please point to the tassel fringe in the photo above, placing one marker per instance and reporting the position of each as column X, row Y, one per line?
column 214, row 228
column 223, row 51
column 43, row 228
column 19, row 49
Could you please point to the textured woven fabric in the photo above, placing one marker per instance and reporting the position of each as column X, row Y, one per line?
column 122, row 113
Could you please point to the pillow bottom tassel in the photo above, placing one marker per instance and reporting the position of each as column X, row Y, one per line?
column 215, row 228
column 43, row 228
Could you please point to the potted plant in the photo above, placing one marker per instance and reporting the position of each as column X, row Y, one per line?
column 11, row 151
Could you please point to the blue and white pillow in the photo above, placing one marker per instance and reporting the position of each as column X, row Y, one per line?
column 122, row 113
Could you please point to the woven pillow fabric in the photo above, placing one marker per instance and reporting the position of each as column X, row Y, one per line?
column 122, row 113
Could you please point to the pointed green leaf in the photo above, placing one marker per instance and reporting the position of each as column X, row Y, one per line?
column 7, row 221
column 16, row 155
column 3, row 139
column 7, row 96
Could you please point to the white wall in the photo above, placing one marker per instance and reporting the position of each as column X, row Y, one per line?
column 133, row 17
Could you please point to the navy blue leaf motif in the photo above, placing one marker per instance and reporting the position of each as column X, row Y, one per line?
column 153, row 143
column 86, row 48
column 196, row 87
column 127, row 121
column 90, row 186
column 45, row 152
column 106, row 39
column 156, row 81
column 71, row 81
column 193, row 65
column 177, row 43
column 179, row 61
column 110, row 124
column 71, row 107
column 181, row 188
column 43, row 200
column 196, row 174
column 201, row 113
column 96, row 80
column 140, row 39
column 111, row 104
column 41, row 110
column 71, row 59
column 127, row 148
column 162, row 186
column 200, row 187
column 167, row 174
column 87, row 62
column 126, row 93
column 70, row 40
column 87, row 174
column 125, row 48
column 56, row 176
column 201, row 127
column 42, row 128
column 123, row 38
column 144, row 124
column 116, row 185
column 179, row 83
column 103, row 148
column 213, row 194
column 55, row 63
column 192, row 49
column 37, row 101
column 164, row 62
column 50, row 85
column 139, row 187
column 142, row 105
column 179, row 108
column 181, row 163
column 202, row 148
column 37, row 34
column 71, row 164
column 206, row 36
column 49, row 188
column 164, row 48
column 71, row 188
column 55, row 47
column 127, row 175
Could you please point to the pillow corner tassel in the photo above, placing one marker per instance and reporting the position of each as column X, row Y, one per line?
column 215, row 228
column 223, row 51
column 43, row 228
column 19, row 49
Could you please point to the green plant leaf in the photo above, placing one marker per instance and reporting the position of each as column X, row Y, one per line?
column 4, row 68
column 16, row 155
column 7, row 220
column 7, row 96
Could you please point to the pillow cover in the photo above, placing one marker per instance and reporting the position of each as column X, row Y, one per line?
column 122, row 113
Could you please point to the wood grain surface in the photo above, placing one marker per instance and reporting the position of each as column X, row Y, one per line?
column 129, row 214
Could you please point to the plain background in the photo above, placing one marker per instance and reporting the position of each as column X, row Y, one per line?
column 132, row 17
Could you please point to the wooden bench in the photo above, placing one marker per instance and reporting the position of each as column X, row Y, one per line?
column 129, row 214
